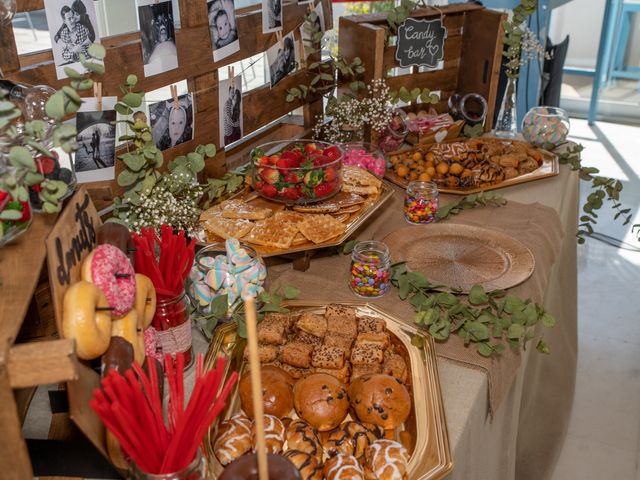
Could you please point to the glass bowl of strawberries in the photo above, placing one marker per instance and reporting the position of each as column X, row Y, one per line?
column 296, row 171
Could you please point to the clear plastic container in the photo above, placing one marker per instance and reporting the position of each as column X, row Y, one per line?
column 369, row 274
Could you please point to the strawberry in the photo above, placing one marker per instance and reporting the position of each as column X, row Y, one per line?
column 258, row 185
column 319, row 160
column 313, row 178
column 329, row 174
column 290, row 193
column 283, row 165
column 269, row 190
column 309, row 148
column 270, row 175
column 332, row 152
column 292, row 177
column 26, row 212
column 45, row 165
column 323, row 189
column 273, row 159
column 264, row 160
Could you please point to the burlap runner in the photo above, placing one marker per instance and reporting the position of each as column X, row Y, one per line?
column 536, row 226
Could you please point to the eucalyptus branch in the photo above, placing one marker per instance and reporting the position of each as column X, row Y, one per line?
column 605, row 188
column 414, row 95
column 480, row 199
column 486, row 319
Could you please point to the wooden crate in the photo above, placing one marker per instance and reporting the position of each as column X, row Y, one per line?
column 261, row 106
column 472, row 52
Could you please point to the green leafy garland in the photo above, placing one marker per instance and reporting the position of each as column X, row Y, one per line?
column 473, row 200
column 514, row 31
column 605, row 188
column 488, row 320
column 220, row 310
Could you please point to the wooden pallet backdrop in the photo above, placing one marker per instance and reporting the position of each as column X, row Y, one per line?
column 124, row 55
column 472, row 52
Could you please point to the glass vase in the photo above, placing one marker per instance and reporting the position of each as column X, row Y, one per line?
column 172, row 322
column 546, row 126
column 507, row 121
column 196, row 470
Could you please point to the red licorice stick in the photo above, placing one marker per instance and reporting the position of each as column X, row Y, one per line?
column 180, row 381
column 104, row 412
column 154, row 403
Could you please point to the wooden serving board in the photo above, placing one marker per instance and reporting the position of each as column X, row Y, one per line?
column 549, row 168
column 352, row 223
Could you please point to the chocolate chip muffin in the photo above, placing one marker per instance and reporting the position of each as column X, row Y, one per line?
column 380, row 399
column 321, row 400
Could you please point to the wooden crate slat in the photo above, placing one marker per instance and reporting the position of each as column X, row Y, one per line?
column 362, row 41
column 40, row 363
column 444, row 80
column 9, row 59
column 381, row 18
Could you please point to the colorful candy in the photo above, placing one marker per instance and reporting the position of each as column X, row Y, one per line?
column 234, row 274
column 421, row 202
column 369, row 275
column 545, row 125
column 364, row 155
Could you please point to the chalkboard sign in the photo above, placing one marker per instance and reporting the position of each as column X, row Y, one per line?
column 420, row 42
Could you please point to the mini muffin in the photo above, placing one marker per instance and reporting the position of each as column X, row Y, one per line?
column 321, row 400
column 343, row 467
column 277, row 392
column 273, row 434
column 308, row 465
column 350, row 438
column 380, row 399
column 234, row 439
column 303, row 437
column 385, row 460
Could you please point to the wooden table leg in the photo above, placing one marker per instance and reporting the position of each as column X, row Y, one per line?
column 14, row 458
column 303, row 262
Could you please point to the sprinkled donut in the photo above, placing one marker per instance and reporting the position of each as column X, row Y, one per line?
column 111, row 271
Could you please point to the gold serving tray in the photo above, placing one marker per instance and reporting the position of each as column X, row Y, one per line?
column 549, row 168
column 353, row 223
column 430, row 458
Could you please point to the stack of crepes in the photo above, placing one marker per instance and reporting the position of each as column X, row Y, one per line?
column 236, row 274
column 166, row 260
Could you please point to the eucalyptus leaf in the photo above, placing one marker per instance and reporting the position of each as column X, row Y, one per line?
column 10, row 215
column 132, row 99
column 54, row 108
column 97, row 51
column 127, row 178
column 290, row 292
column 20, row 157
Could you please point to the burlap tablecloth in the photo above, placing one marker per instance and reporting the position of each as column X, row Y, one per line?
column 531, row 394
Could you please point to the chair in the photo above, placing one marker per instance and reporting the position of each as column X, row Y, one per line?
column 617, row 66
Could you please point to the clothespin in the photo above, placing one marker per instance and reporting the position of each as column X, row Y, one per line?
column 279, row 38
column 174, row 94
column 311, row 7
column 97, row 92
column 230, row 72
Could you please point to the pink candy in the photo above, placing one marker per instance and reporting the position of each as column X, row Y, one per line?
column 359, row 157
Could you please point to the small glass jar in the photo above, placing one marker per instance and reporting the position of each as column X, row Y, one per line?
column 421, row 202
column 364, row 155
column 196, row 470
column 395, row 133
column 472, row 108
column 545, row 126
column 172, row 322
column 369, row 274
column 12, row 229
column 60, row 166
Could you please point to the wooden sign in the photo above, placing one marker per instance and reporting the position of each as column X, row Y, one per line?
column 69, row 242
column 420, row 43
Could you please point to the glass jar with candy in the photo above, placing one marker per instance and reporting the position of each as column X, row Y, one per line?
column 369, row 274
column 546, row 126
column 421, row 202
column 364, row 155
column 396, row 132
column 172, row 322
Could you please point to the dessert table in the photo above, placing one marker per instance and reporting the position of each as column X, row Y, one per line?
column 506, row 418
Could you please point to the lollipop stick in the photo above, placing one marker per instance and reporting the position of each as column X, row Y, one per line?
column 256, row 387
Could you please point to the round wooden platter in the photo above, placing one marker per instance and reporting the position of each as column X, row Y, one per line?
column 461, row 256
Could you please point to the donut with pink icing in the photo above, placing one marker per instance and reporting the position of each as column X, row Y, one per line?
column 110, row 270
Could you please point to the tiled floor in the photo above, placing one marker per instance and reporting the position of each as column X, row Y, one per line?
column 604, row 432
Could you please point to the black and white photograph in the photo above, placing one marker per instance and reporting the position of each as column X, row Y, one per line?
column 73, row 27
column 96, row 137
column 271, row 16
column 230, row 110
column 223, row 28
column 158, row 36
column 171, row 123
column 283, row 59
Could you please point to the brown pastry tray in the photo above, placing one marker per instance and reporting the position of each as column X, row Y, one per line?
column 430, row 454
column 549, row 168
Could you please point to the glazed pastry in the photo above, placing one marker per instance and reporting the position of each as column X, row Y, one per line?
column 385, row 460
column 127, row 328
column 321, row 400
column 308, row 465
column 111, row 271
column 277, row 393
column 246, row 467
column 118, row 357
column 233, row 440
column 303, row 437
column 350, row 438
column 84, row 322
column 343, row 467
column 380, row 399
column 145, row 300
column 273, row 434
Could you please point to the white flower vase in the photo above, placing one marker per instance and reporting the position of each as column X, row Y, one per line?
column 507, row 121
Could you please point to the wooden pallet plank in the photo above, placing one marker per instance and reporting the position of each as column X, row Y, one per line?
column 40, row 363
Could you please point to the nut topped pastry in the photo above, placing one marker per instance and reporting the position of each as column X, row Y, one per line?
column 327, row 357
column 311, row 323
column 296, row 354
column 370, row 325
column 386, row 460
